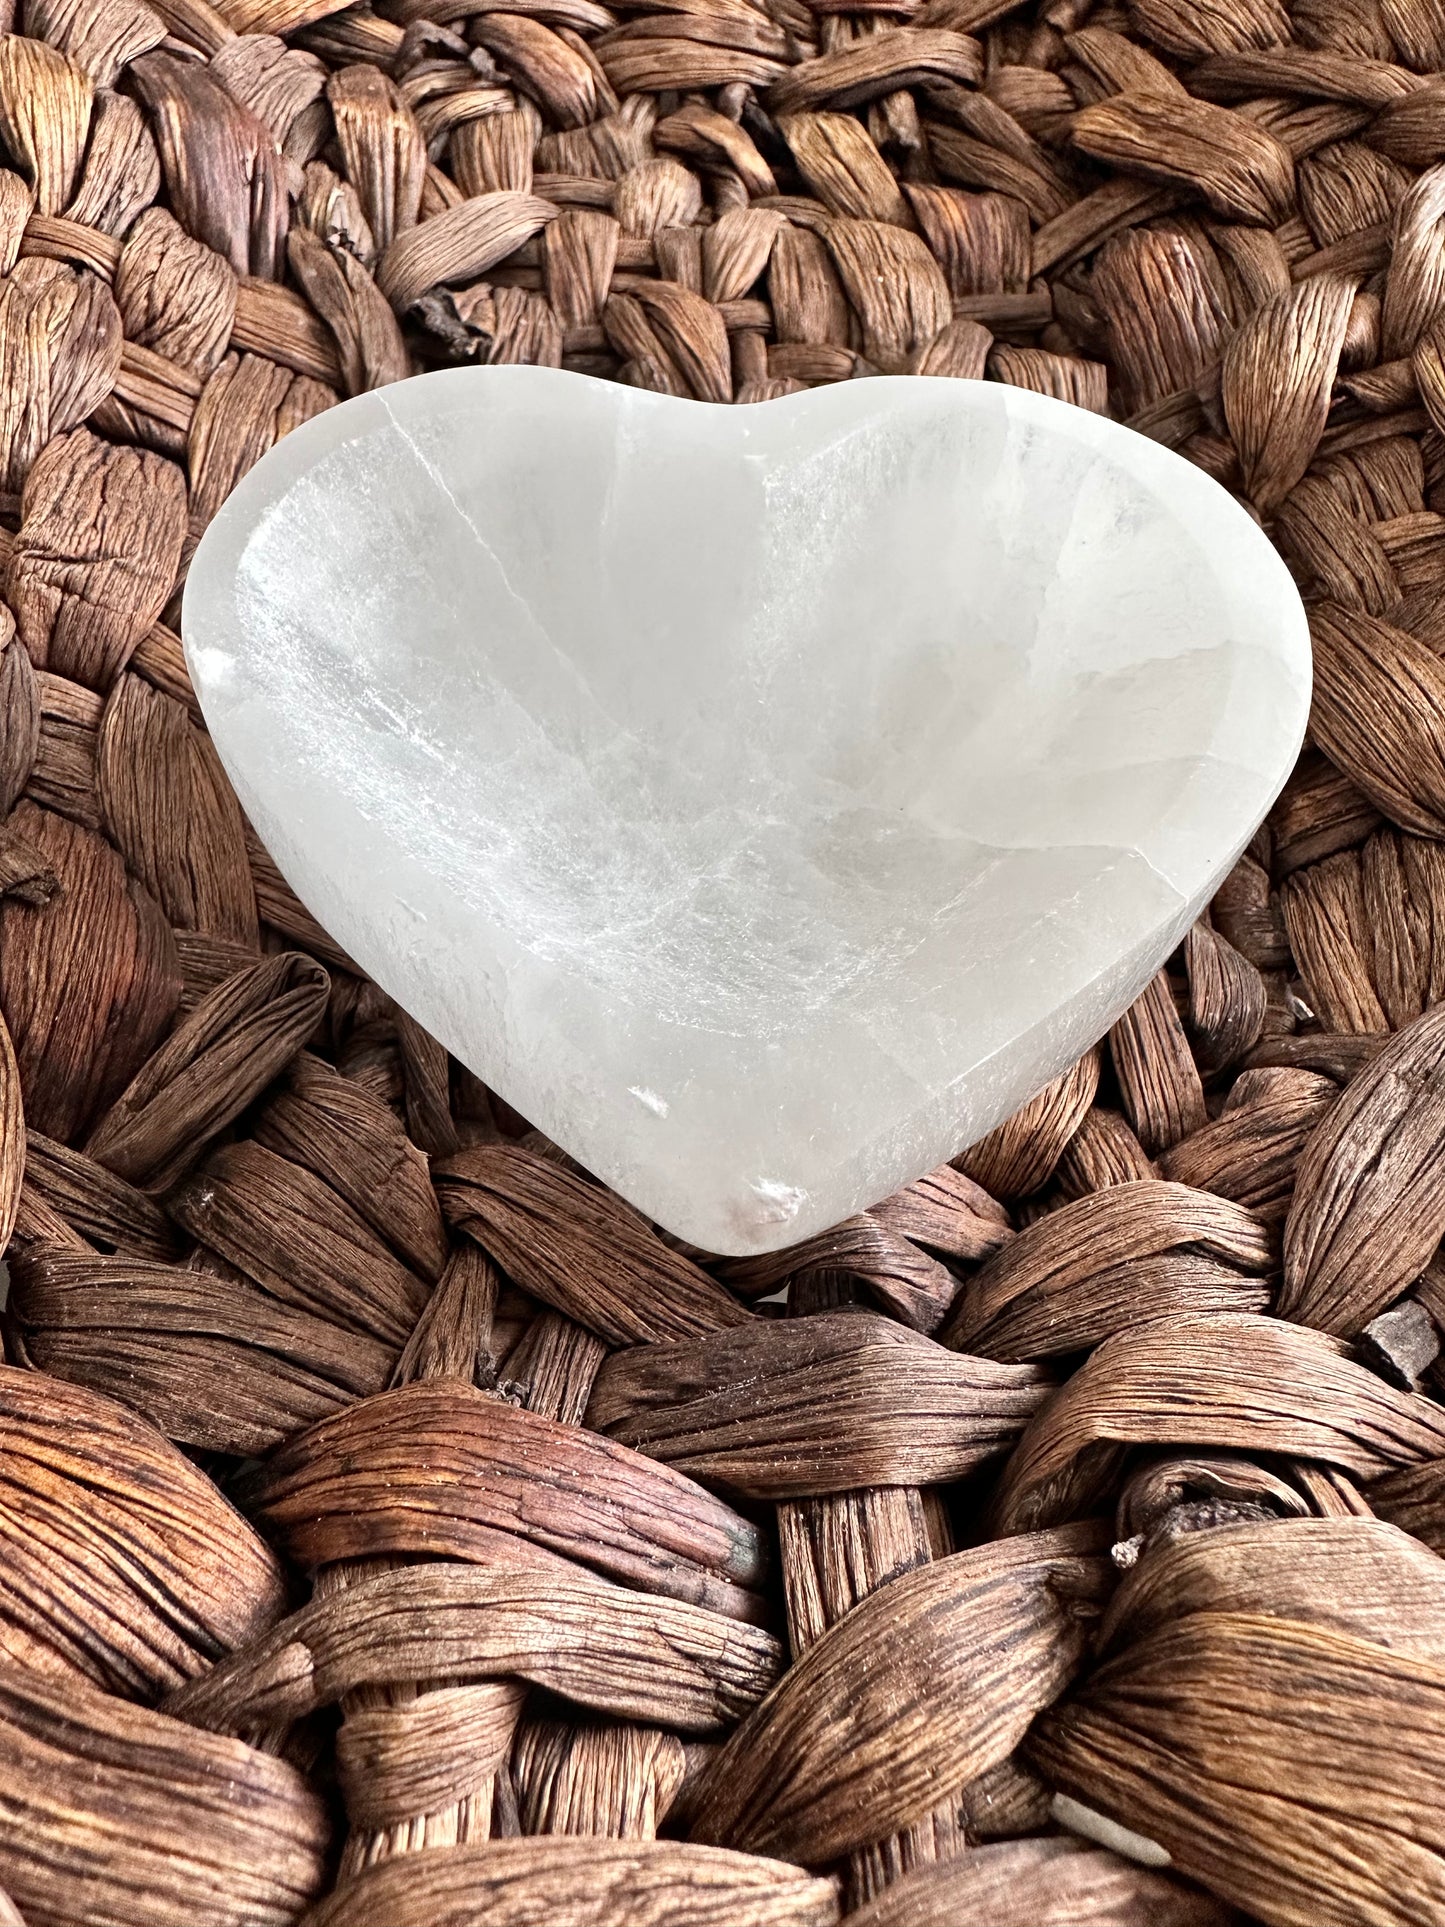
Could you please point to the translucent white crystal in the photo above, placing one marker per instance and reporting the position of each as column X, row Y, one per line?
column 765, row 801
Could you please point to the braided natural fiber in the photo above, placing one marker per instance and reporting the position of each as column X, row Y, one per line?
column 396, row 1528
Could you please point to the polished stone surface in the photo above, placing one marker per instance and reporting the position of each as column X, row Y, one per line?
column 764, row 800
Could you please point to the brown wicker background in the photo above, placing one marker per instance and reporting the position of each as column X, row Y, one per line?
column 395, row 1529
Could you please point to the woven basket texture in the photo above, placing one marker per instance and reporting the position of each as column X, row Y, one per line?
column 396, row 1530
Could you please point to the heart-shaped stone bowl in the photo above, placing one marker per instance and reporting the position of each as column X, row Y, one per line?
column 764, row 801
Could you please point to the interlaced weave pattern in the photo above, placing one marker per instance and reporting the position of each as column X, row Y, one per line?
column 397, row 1531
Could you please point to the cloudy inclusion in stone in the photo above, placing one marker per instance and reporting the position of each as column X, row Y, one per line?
column 764, row 801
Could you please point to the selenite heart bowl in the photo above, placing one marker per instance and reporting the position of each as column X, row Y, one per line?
column 765, row 801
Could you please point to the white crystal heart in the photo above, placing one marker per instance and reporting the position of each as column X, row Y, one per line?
column 765, row 801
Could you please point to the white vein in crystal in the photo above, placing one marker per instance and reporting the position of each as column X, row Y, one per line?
column 650, row 1099
column 764, row 801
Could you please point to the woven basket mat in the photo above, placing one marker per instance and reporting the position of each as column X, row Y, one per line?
column 394, row 1528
